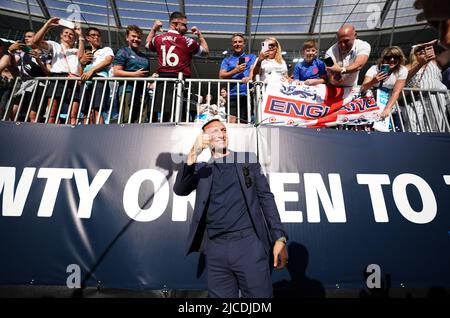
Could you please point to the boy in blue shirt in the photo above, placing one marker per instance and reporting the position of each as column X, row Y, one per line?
column 311, row 70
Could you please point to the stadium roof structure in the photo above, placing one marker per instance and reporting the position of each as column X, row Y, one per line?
column 381, row 22
column 224, row 17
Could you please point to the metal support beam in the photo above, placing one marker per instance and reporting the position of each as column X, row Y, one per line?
column 316, row 11
column 109, row 25
column 320, row 26
column 182, row 7
column 113, row 6
column 248, row 25
column 29, row 16
column 385, row 11
column 44, row 9
column 391, row 40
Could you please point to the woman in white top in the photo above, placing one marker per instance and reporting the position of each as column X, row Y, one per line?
column 65, row 63
column 270, row 65
column 394, row 79
column 425, row 73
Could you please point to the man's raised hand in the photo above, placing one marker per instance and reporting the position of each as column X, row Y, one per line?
column 201, row 142
column 157, row 25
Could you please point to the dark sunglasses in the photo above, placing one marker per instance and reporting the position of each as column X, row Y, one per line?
column 389, row 57
column 94, row 35
column 272, row 45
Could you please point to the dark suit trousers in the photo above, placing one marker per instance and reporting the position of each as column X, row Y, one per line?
column 238, row 261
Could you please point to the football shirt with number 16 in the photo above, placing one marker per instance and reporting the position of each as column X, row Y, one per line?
column 175, row 52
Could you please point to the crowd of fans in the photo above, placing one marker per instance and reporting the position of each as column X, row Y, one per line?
column 82, row 56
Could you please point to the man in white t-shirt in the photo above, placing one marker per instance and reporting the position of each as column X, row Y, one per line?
column 349, row 55
column 97, row 62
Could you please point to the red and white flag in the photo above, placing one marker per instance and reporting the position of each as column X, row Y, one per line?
column 321, row 105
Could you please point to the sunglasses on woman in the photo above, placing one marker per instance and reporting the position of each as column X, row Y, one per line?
column 389, row 57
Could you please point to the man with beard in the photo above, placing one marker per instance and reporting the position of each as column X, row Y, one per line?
column 175, row 51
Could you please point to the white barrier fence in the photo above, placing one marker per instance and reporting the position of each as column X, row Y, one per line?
column 149, row 100
column 122, row 100
column 420, row 110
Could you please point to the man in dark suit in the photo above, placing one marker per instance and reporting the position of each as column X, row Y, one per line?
column 235, row 221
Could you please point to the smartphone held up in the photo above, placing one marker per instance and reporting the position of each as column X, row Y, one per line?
column 264, row 46
column 424, row 45
column 385, row 68
column 66, row 23
column 328, row 61
column 26, row 49
column 88, row 51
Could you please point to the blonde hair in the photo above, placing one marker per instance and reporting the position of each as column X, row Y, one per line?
column 278, row 57
column 412, row 54
column 395, row 51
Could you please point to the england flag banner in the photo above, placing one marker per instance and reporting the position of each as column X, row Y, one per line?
column 297, row 104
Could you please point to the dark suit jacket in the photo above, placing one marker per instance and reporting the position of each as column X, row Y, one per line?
column 258, row 197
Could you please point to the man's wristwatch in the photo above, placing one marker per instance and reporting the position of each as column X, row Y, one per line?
column 343, row 71
column 282, row 239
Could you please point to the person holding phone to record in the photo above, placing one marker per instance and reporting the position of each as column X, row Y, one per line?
column 96, row 61
column 389, row 76
column 270, row 64
column 65, row 63
column 349, row 54
column 31, row 62
column 238, row 66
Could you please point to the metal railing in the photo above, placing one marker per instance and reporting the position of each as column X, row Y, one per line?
column 422, row 110
column 194, row 88
column 121, row 100
column 125, row 100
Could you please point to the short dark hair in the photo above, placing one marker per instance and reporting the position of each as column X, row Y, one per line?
column 177, row 15
column 88, row 30
column 209, row 122
column 134, row 28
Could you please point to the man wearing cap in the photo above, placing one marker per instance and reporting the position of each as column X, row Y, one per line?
column 235, row 223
